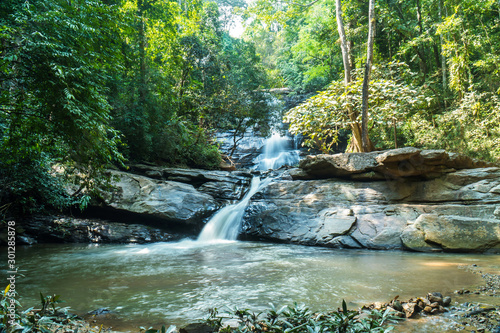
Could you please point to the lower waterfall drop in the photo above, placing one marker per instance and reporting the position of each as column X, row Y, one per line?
column 225, row 224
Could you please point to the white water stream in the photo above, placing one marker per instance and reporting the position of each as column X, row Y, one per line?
column 225, row 224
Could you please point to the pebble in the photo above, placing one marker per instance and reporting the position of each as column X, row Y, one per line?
column 475, row 317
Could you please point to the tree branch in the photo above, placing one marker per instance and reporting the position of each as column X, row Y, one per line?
column 305, row 6
column 21, row 113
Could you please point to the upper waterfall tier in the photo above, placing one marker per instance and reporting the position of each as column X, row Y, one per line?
column 277, row 151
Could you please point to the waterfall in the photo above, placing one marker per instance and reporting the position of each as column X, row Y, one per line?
column 278, row 151
column 225, row 224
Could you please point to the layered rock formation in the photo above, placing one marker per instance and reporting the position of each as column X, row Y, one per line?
column 385, row 165
column 406, row 199
column 174, row 198
column 149, row 205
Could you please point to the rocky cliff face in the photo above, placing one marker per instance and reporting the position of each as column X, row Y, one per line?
column 148, row 204
column 406, row 199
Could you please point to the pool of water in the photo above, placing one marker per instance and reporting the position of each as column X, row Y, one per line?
column 176, row 283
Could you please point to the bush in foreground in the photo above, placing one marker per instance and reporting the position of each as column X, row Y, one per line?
column 299, row 318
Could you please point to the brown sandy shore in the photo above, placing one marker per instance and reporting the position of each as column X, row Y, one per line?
column 476, row 310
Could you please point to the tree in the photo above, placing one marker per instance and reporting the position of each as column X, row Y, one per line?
column 356, row 126
column 322, row 117
column 366, row 143
column 357, row 131
column 53, row 106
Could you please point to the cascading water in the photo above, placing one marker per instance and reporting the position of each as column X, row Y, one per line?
column 278, row 151
column 225, row 224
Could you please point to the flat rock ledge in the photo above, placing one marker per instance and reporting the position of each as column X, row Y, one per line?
column 223, row 186
column 385, row 165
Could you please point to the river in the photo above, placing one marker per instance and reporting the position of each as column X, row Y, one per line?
column 176, row 283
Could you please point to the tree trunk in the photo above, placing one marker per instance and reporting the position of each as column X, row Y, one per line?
column 443, row 58
column 366, row 144
column 395, row 133
column 142, row 53
column 421, row 52
column 353, row 115
column 343, row 43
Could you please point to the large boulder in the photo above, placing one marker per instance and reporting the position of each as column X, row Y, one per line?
column 458, row 211
column 170, row 201
column 455, row 233
column 385, row 165
column 338, row 165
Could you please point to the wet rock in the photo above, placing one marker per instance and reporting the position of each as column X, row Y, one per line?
column 410, row 310
column 420, row 215
column 435, row 297
column 397, row 305
column 334, row 223
column 455, row 233
column 64, row 229
column 446, row 301
column 299, row 174
column 222, row 185
column 196, row 328
column 25, row 240
column 414, row 239
column 100, row 312
column 434, row 305
column 435, row 311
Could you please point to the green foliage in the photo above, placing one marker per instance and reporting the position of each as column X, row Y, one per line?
column 30, row 186
column 392, row 99
column 184, row 144
column 299, row 318
column 47, row 319
column 473, row 128
column 451, row 45
column 53, row 105
column 191, row 78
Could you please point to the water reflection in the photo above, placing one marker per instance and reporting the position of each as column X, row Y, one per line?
column 174, row 283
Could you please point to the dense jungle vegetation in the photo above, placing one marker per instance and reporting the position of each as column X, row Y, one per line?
column 86, row 84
